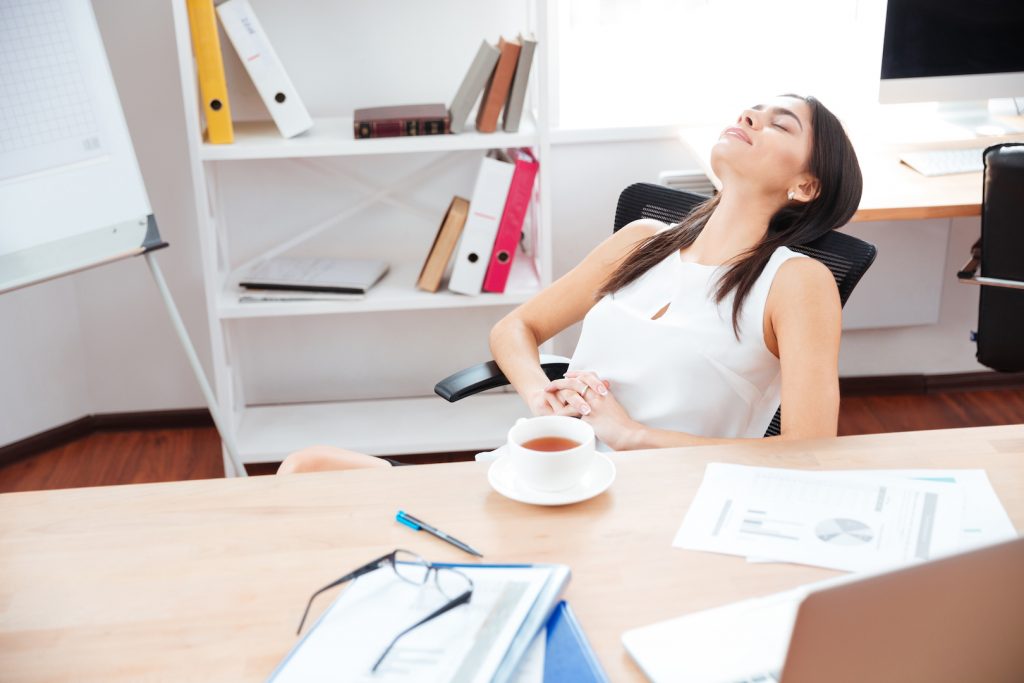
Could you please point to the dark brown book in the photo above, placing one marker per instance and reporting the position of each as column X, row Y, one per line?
column 444, row 245
column 401, row 120
column 496, row 91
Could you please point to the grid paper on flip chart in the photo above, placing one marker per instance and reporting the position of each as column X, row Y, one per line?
column 47, row 116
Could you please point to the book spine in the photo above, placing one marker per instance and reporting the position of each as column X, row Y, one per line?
column 485, row 210
column 264, row 67
column 213, row 88
column 511, row 225
column 393, row 128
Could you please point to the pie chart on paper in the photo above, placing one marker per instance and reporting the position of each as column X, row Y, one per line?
column 840, row 531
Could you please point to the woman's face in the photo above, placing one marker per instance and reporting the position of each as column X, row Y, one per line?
column 768, row 146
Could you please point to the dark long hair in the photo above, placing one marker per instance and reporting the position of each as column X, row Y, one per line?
column 833, row 163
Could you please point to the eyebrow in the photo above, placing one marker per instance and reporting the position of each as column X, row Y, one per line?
column 780, row 110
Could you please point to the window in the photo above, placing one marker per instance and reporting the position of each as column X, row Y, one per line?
column 657, row 62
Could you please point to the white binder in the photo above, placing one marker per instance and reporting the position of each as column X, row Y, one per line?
column 485, row 209
column 265, row 69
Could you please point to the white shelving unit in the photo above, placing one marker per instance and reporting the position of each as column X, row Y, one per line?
column 416, row 423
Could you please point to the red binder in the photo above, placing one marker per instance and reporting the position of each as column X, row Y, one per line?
column 511, row 225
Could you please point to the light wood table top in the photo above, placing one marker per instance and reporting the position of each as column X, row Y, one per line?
column 205, row 580
column 892, row 190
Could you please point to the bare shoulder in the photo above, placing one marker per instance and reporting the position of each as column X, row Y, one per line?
column 638, row 230
column 628, row 236
column 807, row 275
column 803, row 284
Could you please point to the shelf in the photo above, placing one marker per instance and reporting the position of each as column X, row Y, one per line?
column 380, row 427
column 333, row 137
column 395, row 292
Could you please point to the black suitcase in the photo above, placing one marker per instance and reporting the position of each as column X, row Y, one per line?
column 1000, row 334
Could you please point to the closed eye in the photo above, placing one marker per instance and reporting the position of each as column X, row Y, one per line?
column 780, row 127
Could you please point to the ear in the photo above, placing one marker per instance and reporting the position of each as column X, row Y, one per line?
column 808, row 189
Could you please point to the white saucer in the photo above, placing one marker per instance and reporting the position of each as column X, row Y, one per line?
column 596, row 481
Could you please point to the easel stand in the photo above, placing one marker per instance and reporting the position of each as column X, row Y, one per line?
column 197, row 369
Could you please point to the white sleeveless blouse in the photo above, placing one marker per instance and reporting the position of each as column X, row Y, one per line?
column 686, row 371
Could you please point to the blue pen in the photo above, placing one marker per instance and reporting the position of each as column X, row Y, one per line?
column 419, row 525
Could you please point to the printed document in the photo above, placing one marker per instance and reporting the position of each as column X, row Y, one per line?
column 852, row 521
column 984, row 520
column 465, row 645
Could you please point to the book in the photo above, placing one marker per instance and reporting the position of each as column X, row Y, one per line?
column 400, row 120
column 213, row 87
column 485, row 209
column 444, row 245
column 312, row 274
column 264, row 67
column 496, row 90
column 517, row 95
column 568, row 655
column 511, row 226
column 472, row 85
column 483, row 640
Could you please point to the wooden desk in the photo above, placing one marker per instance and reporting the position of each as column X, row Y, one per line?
column 892, row 190
column 204, row 581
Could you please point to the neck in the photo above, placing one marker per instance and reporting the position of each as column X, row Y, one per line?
column 738, row 224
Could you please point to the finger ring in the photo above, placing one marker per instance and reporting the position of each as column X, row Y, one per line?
column 583, row 394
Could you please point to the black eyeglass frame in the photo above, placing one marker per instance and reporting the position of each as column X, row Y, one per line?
column 390, row 559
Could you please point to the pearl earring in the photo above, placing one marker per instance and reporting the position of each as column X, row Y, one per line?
column 791, row 195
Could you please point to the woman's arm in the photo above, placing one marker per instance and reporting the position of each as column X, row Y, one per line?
column 805, row 317
column 514, row 340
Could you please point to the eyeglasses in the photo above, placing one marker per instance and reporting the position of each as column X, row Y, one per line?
column 411, row 568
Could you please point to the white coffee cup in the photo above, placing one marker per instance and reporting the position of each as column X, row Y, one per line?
column 550, row 470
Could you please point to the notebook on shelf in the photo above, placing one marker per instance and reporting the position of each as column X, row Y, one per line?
column 312, row 274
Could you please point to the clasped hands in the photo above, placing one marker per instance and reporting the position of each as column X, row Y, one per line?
column 590, row 398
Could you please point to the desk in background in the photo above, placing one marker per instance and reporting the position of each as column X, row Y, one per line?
column 205, row 580
column 892, row 190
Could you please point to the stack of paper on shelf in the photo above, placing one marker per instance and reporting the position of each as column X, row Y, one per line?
column 310, row 278
column 848, row 520
column 264, row 67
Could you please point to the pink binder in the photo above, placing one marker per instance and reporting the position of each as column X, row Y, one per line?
column 511, row 225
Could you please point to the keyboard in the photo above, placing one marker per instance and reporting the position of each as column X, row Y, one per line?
column 935, row 162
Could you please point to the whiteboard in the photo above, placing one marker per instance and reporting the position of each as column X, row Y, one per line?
column 71, row 194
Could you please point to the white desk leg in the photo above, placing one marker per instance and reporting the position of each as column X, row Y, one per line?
column 193, row 359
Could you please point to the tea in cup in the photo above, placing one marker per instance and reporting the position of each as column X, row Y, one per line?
column 551, row 452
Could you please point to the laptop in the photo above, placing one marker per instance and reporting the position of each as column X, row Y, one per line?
column 956, row 619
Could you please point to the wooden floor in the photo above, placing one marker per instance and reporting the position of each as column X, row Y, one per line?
column 131, row 457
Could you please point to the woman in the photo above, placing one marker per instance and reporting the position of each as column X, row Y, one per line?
column 694, row 333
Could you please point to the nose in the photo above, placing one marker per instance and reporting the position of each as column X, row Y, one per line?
column 750, row 118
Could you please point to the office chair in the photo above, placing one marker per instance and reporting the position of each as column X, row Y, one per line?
column 847, row 257
column 999, row 252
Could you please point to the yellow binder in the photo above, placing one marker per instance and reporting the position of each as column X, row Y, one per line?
column 213, row 87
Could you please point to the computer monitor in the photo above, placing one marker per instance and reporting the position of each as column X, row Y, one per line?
column 953, row 51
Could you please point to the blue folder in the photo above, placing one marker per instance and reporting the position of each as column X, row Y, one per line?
column 567, row 655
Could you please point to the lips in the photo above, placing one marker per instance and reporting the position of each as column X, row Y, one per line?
column 738, row 132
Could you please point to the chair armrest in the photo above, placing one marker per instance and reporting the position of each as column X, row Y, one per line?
column 484, row 376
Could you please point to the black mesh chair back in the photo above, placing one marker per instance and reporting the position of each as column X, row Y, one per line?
column 847, row 257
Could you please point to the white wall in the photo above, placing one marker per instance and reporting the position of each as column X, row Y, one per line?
column 101, row 342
